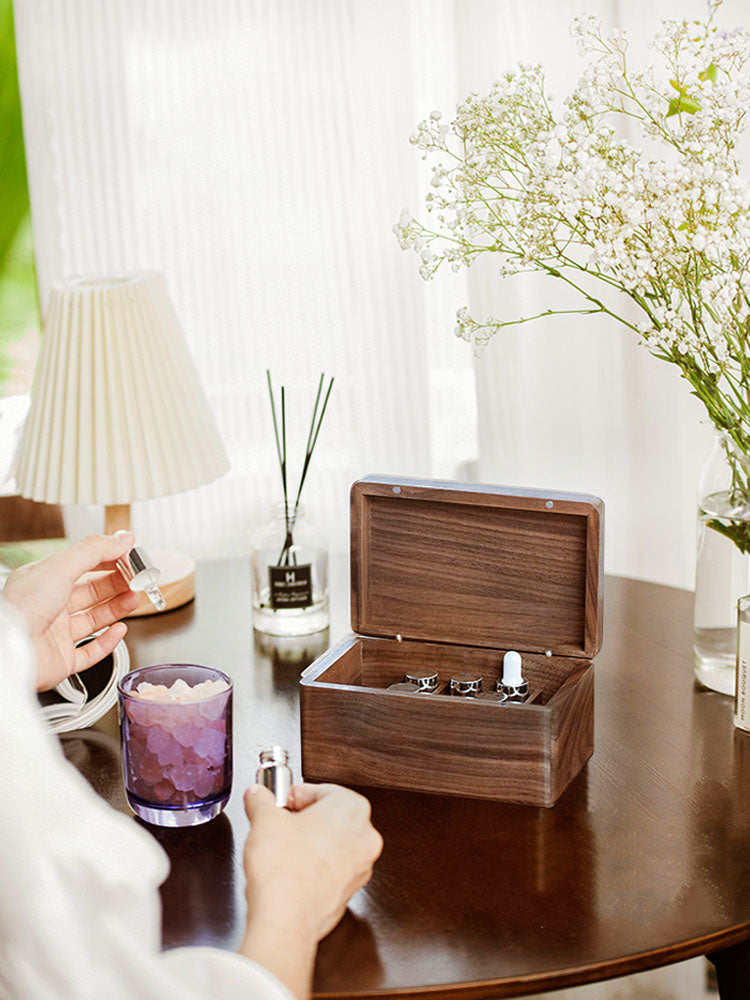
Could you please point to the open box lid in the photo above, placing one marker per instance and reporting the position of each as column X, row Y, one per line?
column 477, row 565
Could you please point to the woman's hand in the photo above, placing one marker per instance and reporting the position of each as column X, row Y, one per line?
column 58, row 610
column 302, row 865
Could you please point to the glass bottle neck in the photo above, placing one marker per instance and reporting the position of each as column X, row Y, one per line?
column 724, row 481
column 285, row 513
column 276, row 755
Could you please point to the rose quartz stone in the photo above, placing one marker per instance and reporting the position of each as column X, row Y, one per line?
column 177, row 741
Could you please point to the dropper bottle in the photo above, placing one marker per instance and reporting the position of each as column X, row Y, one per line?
column 139, row 571
column 512, row 683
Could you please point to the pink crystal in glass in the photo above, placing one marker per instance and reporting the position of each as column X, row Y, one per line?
column 176, row 754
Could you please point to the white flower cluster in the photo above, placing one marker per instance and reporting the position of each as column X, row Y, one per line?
column 664, row 220
column 477, row 334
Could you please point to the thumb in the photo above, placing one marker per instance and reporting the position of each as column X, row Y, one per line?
column 257, row 801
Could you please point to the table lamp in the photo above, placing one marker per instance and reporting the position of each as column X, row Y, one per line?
column 118, row 413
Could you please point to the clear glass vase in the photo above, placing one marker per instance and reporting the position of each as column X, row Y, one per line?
column 722, row 571
column 290, row 575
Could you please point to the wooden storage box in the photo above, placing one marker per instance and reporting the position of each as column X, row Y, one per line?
column 450, row 576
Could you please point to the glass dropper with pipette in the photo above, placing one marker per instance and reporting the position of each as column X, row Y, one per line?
column 141, row 574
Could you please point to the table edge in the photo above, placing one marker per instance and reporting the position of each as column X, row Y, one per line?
column 524, row 985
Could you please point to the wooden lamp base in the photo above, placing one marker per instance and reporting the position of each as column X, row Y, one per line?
column 177, row 581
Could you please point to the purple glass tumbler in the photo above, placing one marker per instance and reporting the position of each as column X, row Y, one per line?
column 176, row 756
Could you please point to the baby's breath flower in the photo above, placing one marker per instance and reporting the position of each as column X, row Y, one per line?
column 664, row 219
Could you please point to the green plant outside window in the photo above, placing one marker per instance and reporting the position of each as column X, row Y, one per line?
column 18, row 302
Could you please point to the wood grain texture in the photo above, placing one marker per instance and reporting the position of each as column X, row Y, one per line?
column 525, row 753
column 571, row 731
column 21, row 519
column 477, row 565
column 375, row 663
column 469, row 571
column 644, row 860
column 117, row 518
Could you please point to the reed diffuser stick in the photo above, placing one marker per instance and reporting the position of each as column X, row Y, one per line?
column 287, row 556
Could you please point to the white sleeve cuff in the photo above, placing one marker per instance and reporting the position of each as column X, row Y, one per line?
column 212, row 972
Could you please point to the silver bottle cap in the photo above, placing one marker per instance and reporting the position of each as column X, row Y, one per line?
column 515, row 692
column 425, row 680
column 403, row 687
column 466, row 685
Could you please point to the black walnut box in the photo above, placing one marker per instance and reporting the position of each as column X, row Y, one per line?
column 449, row 576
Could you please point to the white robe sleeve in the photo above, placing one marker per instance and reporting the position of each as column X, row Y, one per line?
column 80, row 915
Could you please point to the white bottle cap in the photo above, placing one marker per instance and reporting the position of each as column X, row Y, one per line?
column 512, row 675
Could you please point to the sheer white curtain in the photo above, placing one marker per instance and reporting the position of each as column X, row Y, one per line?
column 257, row 153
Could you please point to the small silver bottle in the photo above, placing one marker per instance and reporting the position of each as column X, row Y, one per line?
column 275, row 774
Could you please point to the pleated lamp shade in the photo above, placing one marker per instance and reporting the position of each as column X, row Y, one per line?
column 118, row 413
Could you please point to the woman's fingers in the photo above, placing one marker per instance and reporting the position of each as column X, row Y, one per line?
column 259, row 801
column 85, row 622
column 94, row 651
column 90, row 554
column 302, row 796
column 103, row 588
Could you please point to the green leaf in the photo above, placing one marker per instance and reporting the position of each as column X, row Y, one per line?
column 708, row 74
column 739, row 533
column 686, row 104
column 677, row 86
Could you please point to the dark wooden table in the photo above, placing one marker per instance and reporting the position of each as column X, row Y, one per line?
column 645, row 860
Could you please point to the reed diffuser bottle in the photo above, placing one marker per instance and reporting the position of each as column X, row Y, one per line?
column 289, row 555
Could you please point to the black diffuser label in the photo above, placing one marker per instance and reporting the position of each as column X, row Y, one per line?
column 291, row 586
